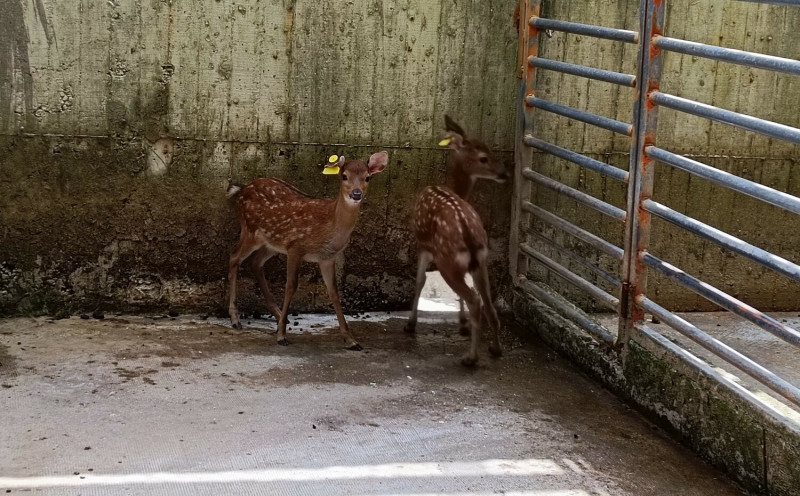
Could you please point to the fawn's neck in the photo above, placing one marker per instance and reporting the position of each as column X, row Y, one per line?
column 458, row 181
column 345, row 215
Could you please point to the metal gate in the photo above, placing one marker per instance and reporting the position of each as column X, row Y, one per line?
column 631, row 298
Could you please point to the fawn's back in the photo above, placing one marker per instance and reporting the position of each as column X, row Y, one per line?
column 449, row 227
column 284, row 218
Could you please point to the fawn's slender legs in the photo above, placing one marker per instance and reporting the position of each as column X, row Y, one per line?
column 423, row 261
column 257, row 261
column 292, row 266
column 328, row 270
column 243, row 249
column 454, row 277
column 481, row 278
column 463, row 328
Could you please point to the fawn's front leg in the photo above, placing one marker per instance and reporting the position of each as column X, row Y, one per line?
column 327, row 268
column 292, row 266
column 243, row 249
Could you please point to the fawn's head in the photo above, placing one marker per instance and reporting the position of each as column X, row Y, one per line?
column 471, row 157
column 355, row 175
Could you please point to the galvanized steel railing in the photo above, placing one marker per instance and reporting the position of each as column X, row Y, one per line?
column 632, row 301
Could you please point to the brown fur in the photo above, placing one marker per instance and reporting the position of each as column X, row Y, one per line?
column 450, row 234
column 276, row 217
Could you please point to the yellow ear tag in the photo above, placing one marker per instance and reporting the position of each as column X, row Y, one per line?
column 445, row 141
column 331, row 169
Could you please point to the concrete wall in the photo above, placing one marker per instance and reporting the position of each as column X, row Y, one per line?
column 743, row 25
column 122, row 122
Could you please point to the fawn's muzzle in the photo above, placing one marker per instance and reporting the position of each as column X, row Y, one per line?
column 502, row 177
column 357, row 195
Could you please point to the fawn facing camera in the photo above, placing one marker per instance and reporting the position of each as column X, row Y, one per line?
column 276, row 217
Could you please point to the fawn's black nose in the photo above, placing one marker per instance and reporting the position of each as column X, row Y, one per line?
column 357, row 195
column 503, row 177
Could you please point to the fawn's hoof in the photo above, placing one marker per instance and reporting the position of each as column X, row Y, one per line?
column 495, row 351
column 355, row 347
column 410, row 328
column 464, row 330
column 236, row 325
column 469, row 361
column 283, row 342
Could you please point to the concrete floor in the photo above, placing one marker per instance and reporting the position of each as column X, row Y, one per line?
column 138, row 405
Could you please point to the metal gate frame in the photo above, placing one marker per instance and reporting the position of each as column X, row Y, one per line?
column 632, row 300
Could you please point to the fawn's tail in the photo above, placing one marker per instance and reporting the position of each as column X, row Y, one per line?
column 233, row 190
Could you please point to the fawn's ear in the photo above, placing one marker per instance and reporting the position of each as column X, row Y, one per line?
column 452, row 140
column 377, row 162
column 333, row 165
column 451, row 126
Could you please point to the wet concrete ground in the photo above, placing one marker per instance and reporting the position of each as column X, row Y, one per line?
column 137, row 405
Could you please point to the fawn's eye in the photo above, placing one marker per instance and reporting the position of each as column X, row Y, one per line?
column 344, row 177
column 368, row 178
column 484, row 159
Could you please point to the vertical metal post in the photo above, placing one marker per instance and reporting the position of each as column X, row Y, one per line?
column 640, row 185
column 523, row 154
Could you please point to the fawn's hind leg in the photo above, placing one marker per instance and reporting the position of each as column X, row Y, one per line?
column 257, row 261
column 423, row 261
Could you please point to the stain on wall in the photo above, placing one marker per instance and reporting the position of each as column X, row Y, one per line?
column 14, row 63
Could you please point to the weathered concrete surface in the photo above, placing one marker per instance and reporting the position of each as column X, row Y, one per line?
column 741, row 25
column 93, row 230
column 185, row 406
column 749, row 434
column 768, row 350
column 108, row 110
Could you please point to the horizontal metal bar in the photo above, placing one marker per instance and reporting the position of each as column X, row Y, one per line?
column 575, row 258
column 577, row 158
column 585, row 29
column 576, row 195
column 763, row 375
column 741, row 57
column 567, row 310
column 735, row 119
column 580, row 115
column 723, row 299
column 750, row 188
column 584, row 71
column 724, row 239
column 606, row 299
column 583, row 235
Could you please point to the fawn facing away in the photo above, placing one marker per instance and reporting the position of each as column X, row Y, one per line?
column 276, row 217
column 450, row 233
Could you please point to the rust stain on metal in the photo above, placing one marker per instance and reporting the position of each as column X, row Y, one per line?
column 657, row 30
column 649, row 104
